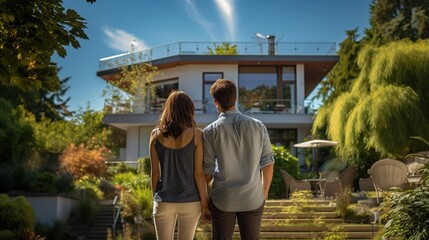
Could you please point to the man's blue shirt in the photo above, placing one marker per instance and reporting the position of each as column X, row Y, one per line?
column 236, row 147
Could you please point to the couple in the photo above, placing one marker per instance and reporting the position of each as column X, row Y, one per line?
column 222, row 174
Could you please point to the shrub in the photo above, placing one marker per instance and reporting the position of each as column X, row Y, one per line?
column 343, row 200
column 130, row 180
column 407, row 215
column 81, row 161
column 91, row 187
column 45, row 182
column 145, row 198
column 6, row 178
column 286, row 161
column 144, row 166
column 16, row 215
column 64, row 183
column 7, row 235
column 130, row 207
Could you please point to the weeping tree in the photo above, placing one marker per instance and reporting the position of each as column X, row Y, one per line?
column 388, row 102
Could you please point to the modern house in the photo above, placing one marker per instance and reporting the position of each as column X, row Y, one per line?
column 274, row 81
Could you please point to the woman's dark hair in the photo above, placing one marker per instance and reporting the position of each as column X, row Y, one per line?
column 178, row 114
column 224, row 92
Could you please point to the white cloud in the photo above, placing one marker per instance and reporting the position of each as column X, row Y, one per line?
column 227, row 11
column 123, row 41
column 195, row 14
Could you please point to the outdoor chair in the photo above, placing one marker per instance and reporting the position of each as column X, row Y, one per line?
column 366, row 185
column 293, row 184
column 335, row 184
column 388, row 175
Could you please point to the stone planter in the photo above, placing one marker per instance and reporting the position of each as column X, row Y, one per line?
column 49, row 207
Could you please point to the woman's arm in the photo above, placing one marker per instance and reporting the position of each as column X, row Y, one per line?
column 199, row 175
column 155, row 170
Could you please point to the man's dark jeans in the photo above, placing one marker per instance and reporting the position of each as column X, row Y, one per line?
column 223, row 223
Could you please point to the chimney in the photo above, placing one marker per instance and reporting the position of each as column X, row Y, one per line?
column 271, row 45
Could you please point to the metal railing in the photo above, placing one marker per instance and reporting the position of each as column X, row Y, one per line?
column 252, row 106
column 116, row 214
column 203, row 48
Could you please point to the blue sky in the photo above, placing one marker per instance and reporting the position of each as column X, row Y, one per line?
column 113, row 25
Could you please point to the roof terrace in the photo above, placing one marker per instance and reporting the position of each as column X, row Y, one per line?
column 203, row 48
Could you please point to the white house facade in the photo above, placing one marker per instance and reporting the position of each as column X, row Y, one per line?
column 273, row 87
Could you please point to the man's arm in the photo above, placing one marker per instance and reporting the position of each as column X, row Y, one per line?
column 209, row 158
column 267, row 177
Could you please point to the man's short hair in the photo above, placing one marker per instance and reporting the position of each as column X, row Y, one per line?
column 224, row 92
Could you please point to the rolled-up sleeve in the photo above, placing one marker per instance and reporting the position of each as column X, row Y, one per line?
column 267, row 156
column 209, row 153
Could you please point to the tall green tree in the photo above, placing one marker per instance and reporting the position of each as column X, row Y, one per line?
column 386, row 104
column 31, row 32
column 16, row 135
column 398, row 19
column 41, row 102
column 340, row 78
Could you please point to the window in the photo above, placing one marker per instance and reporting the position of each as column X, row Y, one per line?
column 289, row 86
column 257, row 86
column 209, row 79
column 163, row 88
column 270, row 88
column 162, row 91
column 282, row 137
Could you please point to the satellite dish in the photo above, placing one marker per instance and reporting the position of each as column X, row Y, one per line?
column 259, row 35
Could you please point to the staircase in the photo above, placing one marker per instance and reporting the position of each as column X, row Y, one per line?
column 317, row 220
column 282, row 219
column 102, row 221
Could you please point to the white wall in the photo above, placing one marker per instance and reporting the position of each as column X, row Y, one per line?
column 302, row 132
column 191, row 77
column 49, row 209
column 144, row 136
column 132, row 143
column 300, row 88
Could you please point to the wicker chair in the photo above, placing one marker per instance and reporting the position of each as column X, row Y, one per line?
column 335, row 184
column 388, row 174
column 293, row 184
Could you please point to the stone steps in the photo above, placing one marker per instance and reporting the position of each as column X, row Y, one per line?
column 314, row 221
column 102, row 221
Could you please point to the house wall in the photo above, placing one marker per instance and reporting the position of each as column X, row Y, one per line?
column 133, row 143
column 144, row 136
column 191, row 76
column 191, row 81
column 300, row 88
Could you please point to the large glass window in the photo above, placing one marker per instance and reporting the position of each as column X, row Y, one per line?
column 163, row 88
column 257, row 87
column 289, row 87
column 209, row 79
column 282, row 137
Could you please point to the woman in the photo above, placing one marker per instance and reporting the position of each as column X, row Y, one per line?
column 178, row 180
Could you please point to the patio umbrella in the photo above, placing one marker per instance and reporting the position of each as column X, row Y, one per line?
column 316, row 144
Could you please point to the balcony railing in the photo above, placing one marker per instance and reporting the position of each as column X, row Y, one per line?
column 252, row 106
column 202, row 48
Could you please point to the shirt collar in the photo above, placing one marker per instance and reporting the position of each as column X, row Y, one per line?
column 229, row 112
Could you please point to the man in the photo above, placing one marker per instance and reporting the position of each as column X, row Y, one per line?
column 237, row 157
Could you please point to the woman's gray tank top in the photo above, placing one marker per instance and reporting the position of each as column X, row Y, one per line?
column 176, row 183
